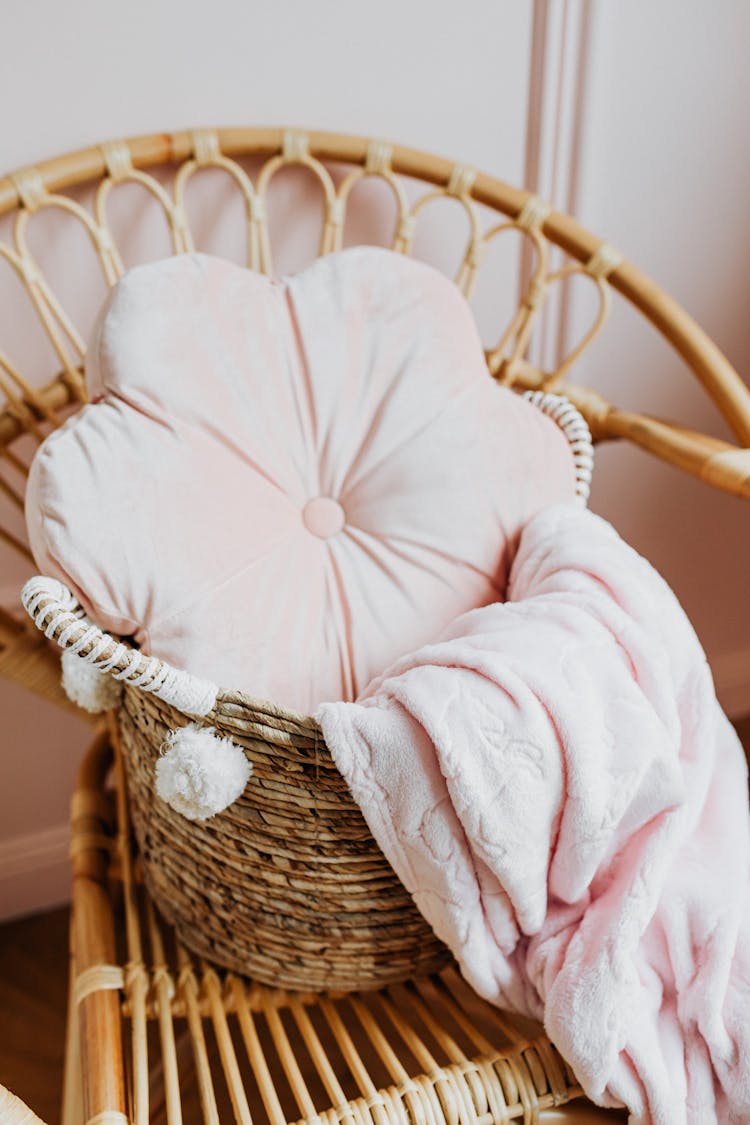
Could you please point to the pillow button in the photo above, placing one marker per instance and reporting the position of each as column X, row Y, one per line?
column 323, row 517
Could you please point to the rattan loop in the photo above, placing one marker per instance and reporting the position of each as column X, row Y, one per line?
column 406, row 228
column 117, row 159
column 30, row 187
column 335, row 212
column 90, row 842
column 135, row 976
column 534, row 294
column 180, row 219
column 475, row 254
column 29, row 272
column 89, row 802
column 533, row 213
column 206, row 147
column 162, row 975
column 295, row 146
column 105, row 240
column 696, row 454
column 378, row 159
column 96, row 979
column 603, row 261
column 257, row 209
column 461, row 180
column 186, row 977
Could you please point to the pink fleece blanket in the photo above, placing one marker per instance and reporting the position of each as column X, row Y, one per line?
column 556, row 785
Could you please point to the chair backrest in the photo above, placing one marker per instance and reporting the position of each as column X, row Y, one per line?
column 42, row 345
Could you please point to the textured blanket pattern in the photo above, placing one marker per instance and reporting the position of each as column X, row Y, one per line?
column 556, row 785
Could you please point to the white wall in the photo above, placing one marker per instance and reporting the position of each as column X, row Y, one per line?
column 421, row 71
column 630, row 114
column 666, row 174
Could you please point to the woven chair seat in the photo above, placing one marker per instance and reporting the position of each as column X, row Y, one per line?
column 158, row 1035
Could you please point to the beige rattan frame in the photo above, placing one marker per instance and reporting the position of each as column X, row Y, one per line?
column 719, row 463
column 28, row 409
column 460, row 1088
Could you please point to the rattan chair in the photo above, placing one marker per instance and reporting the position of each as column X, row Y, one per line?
column 157, row 1031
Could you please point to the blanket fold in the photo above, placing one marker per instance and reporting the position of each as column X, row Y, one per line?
column 556, row 785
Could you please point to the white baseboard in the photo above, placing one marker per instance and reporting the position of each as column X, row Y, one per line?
column 34, row 871
column 731, row 672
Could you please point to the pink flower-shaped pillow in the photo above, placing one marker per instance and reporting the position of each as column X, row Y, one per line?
column 283, row 485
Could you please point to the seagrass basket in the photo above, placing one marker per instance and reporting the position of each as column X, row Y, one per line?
column 287, row 885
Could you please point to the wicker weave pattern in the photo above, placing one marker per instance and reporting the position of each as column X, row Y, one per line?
column 287, row 884
column 32, row 402
column 422, row 1052
column 229, row 1049
column 29, row 409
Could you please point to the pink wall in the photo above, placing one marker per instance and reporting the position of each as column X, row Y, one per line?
column 665, row 172
column 630, row 115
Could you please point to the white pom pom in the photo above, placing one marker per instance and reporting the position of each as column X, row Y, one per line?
column 85, row 685
column 200, row 774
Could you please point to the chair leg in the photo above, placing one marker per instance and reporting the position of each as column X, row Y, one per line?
column 72, row 1107
column 98, row 979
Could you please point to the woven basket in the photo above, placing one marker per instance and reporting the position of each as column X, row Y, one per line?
column 287, row 885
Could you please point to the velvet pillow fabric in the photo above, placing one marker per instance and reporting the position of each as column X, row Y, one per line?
column 283, row 485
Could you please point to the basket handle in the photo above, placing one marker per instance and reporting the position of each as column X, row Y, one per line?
column 59, row 615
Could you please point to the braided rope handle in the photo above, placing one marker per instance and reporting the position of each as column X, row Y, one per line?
column 576, row 430
column 57, row 613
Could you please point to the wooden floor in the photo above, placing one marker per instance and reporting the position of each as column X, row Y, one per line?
column 33, row 997
column 33, row 991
